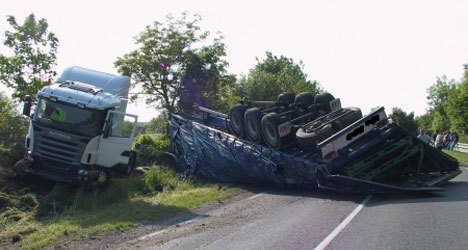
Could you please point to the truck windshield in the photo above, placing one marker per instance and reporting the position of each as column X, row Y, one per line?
column 70, row 118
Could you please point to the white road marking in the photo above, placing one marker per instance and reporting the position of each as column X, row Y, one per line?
column 466, row 168
column 166, row 230
column 152, row 234
column 342, row 225
column 187, row 222
column 255, row 196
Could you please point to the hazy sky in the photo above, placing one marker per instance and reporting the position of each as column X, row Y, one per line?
column 368, row 53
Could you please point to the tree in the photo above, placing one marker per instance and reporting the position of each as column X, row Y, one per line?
column 457, row 106
column 205, row 77
column 275, row 75
column 158, row 125
column 425, row 121
column 13, row 126
column 34, row 54
column 169, row 68
column 405, row 120
column 438, row 95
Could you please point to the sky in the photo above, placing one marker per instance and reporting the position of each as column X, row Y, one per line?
column 367, row 53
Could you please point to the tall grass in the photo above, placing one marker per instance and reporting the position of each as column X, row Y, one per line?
column 68, row 212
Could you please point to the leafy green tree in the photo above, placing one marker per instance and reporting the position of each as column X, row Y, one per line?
column 438, row 94
column 405, row 120
column 457, row 106
column 34, row 55
column 175, row 63
column 13, row 128
column 275, row 75
column 158, row 125
column 205, row 77
column 425, row 121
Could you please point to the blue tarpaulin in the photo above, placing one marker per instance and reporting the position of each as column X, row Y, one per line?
column 221, row 156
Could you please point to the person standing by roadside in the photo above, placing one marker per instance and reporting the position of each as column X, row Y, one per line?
column 434, row 136
column 447, row 139
column 439, row 141
column 453, row 140
column 424, row 137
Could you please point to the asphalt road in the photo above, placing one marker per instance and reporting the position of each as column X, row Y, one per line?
column 307, row 219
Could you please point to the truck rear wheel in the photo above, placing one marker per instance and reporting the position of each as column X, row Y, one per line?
column 270, row 123
column 236, row 120
column 253, row 126
column 324, row 99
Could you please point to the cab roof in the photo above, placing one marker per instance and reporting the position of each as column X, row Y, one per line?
column 80, row 93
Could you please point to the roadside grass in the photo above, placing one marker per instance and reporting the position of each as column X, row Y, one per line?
column 67, row 213
column 461, row 157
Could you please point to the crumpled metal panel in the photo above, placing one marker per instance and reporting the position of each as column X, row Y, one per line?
column 215, row 154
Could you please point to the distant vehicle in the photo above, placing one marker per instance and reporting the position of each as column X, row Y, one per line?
column 309, row 141
column 76, row 132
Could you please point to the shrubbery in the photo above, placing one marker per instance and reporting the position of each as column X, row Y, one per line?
column 150, row 148
column 13, row 128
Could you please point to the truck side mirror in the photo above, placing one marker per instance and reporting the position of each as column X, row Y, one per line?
column 27, row 106
column 107, row 130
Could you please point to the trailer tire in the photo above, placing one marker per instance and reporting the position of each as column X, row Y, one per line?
column 304, row 100
column 313, row 138
column 236, row 120
column 253, row 124
column 324, row 99
column 270, row 123
column 286, row 98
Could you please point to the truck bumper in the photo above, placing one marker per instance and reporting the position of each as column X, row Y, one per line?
column 79, row 176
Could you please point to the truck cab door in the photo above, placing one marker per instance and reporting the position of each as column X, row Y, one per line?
column 117, row 139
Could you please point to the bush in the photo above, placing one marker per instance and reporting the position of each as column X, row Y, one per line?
column 13, row 128
column 151, row 148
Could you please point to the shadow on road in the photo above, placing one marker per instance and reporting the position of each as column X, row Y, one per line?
column 455, row 191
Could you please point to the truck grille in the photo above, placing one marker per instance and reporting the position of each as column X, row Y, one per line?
column 54, row 148
column 50, row 145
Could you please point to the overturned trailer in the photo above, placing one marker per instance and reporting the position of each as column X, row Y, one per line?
column 308, row 142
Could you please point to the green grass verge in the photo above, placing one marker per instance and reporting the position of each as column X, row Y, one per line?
column 461, row 157
column 70, row 213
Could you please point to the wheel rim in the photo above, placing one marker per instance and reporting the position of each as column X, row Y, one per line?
column 270, row 134
column 235, row 122
column 251, row 128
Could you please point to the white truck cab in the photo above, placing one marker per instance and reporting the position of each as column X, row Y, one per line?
column 79, row 131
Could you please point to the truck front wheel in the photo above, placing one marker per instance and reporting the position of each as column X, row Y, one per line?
column 131, row 163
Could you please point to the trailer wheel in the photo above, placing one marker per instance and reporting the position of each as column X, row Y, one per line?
column 253, row 124
column 313, row 138
column 236, row 119
column 324, row 99
column 270, row 123
column 286, row 98
column 304, row 100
